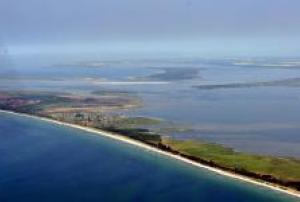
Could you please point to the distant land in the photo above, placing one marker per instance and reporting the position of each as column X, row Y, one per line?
column 292, row 82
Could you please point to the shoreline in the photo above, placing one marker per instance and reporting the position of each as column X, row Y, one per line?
column 141, row 145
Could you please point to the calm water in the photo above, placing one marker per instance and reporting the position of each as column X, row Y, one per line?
column 257, row 119
column 44, row 162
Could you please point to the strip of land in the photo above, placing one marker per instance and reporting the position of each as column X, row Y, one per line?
column 100, row 113
column 167, row 151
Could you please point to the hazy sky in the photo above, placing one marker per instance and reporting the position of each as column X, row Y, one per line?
column 224, row 25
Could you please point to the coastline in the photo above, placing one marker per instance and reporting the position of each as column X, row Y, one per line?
column 139, row 144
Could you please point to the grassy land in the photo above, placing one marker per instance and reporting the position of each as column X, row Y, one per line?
column 137, row 121
column 174, row 129
column 284, row 169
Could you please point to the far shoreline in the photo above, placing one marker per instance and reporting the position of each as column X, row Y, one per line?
column 142, row 145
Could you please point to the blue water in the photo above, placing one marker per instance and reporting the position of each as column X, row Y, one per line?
column 45, row 162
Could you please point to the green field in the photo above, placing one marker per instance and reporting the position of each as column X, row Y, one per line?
column 138, row 121
column 285, row 169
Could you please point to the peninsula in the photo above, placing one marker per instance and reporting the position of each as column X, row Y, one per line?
column 277, row 173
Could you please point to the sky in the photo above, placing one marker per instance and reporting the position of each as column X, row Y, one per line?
column 200, row 26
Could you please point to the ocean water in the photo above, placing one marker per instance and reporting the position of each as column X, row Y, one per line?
column 40, row 161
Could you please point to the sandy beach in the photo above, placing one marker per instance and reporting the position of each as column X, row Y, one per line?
column 158, row 151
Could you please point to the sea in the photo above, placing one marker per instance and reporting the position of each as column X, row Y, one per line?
column 41, row 162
